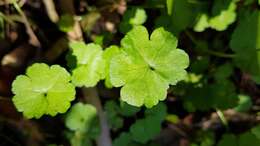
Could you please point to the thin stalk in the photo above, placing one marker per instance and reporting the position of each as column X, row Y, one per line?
column 220, row 54
column 51, row 11
column 33, row 39
column 7, row 19
column 214, row 53
column 222, row 117
column 91, row 96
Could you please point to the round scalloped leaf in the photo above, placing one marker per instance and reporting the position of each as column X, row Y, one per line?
column 90, row 65
column 81, row 117
column 146, row 68
column 108, row 54
column 43, row 90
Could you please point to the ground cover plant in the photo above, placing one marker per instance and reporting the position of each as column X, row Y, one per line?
column 129, row 73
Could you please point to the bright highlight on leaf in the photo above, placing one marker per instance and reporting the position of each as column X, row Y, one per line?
column 146, row 67
column 43, row 90
column 224, row 12
column 90, row 65
column 223, row 15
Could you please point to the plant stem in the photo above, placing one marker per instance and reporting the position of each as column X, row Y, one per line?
column 51, row 11
column 33, row 39
column 220, row 54
column 214, row 53
column 222, row 117
column 7, row 19
column 91, row 96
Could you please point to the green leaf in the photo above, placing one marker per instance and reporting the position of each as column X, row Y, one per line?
column 248, row 139
column 90, row 64
column 198, row 98
column 223, row 98
column 159, row 112
column 223, row 72
column 66, row 23
column 183, row 14
column 246, row 43
column 79, row 139
column 200, row 65
column 228, row 140
column 202, row 23
column 256, row 131
column 116, row 112
column 211, row 96
column 146, row 68
column 248, row 2
column 43, row 90
column 115, row 121
column 81, row 117
column 224, row 14
column 124, row 139
column 174, row 119
column 205, row 138
column 146, row 129
column 244, row 104
column 128, row 110
column 131, row 18
column 108, row 54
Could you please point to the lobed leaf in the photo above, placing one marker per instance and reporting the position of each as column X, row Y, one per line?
column 146, row 68
column 43, row 90
column 90, row 64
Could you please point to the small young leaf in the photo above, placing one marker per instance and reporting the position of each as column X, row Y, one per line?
column 244, row 104
column 81, row 117
column 146, row 68
column 43, row 90
column 66, row 23
column 90, row 64
column 131, row 18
